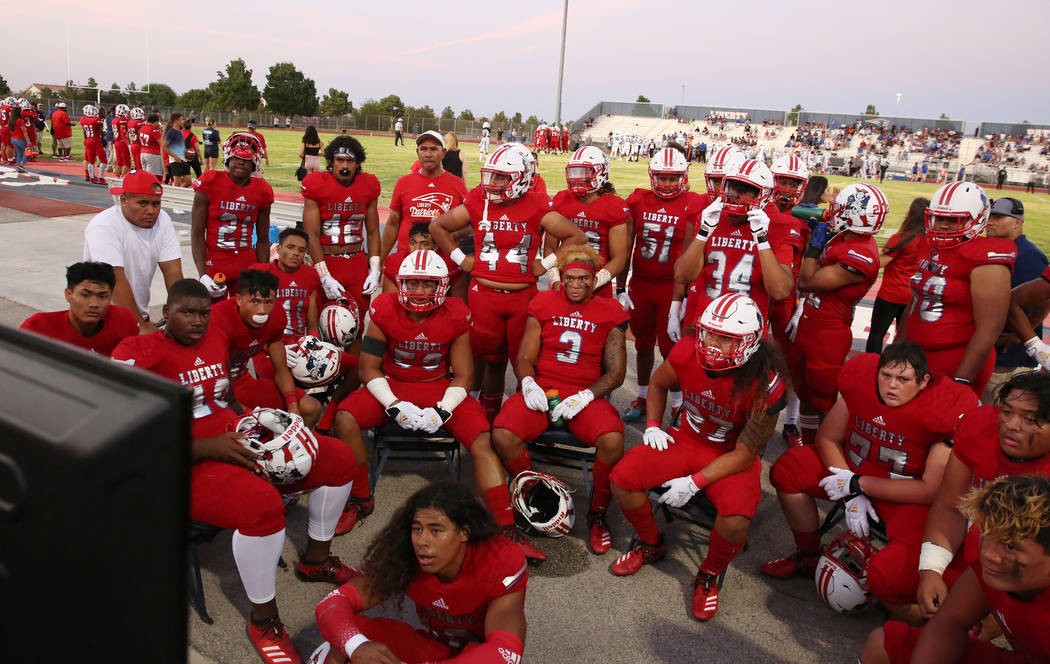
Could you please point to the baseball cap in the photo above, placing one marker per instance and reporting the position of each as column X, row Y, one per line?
column 60, row 104
column 139, row 183
column 251, row 124
column 1008, row 207
column 430, row 133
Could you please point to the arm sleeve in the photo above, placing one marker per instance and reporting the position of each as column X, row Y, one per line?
column 499, row 646
column 337, row 615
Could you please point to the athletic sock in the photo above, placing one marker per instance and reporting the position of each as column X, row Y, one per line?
column 497, row 499
column 641, row 519
column 791, row 412
column 643, row 391
column 519, row 465
column 719, row 554
column 325, row 506
column 807, row 542
column 361, row 490
column 256, row 559
column 602, row 492
column 808, row 425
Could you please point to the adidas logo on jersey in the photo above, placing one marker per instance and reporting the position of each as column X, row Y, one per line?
column 708, row 394
column 576, row 313
column 241, row 199
column 198, row 362
column 421, row 336
column 661, row 211
column 349, row 199
column 504, row 218
column 878, row 420
column 430, row 185
column 293, row 285
column 440, row 603
column 735, row 233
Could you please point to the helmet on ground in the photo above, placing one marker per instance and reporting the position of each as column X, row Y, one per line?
column 731, row 315
column 318, row 362
column 339, row 323
column 587, row 170
column 842, row 576
column 243, row 145
column 724, row 159
column 544, row 501
column 752, row 184
column 861, row 208
column 287, row 448
column 668, row 161
column 966, row 205
column 427, row 265
column 789, row 175
column 506, row 175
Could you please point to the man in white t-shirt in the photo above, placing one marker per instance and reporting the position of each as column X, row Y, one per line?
column 136, row 237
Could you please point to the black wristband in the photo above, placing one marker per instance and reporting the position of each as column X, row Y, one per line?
column 443, row 414
column 854, row 486
column 812, row 252
column 962, row 381
column 621, row 291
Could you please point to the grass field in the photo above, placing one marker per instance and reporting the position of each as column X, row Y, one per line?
column 389, row 163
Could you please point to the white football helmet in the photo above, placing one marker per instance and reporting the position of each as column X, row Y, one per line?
column 90, row 111
column 724, row 159
column 544, row 501
column 842, row 573
column 669, row 161
column 25, row 104
column 511, row 164
column 966, row 205
column 138, row 114
column 484, row 125
column 731, row 315
column 318, row 362
column 339, row 323
column 243, row 145
column 861, row 208
column 587, row 170
column 122, row 111
column 422, row 264
column 10, row 101
column 790, row 175
column 754, row 175
column 526, row 153
column 287, row 447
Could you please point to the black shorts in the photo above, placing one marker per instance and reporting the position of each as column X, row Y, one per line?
column 211, row 151
column 178, row 168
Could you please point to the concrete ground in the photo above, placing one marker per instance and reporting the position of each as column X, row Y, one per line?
column 577, row 611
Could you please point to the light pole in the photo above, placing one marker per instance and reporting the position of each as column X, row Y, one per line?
column 561, row 64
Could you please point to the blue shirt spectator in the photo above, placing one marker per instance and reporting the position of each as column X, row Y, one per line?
column 211, row 137
column 176, row 142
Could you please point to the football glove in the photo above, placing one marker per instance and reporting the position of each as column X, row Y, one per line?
column 433, row 418
column 837, row 484
column 821, row 235
column 759, row 222
column 680, row 491
column 625, row 301
column 657, row 438
column 407, row 415
column 214, row 289
column 858, row 509
column 1039, row 351
column 571, row 405
column 535, row 398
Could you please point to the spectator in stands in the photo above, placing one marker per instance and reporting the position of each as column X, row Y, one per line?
column 310, row 147
column 898, row 258
column 1006, row 220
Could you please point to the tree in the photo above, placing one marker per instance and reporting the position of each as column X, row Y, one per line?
column 114, row 95
column 46, row 93
column 870, row 110
column 234, row 88
column 92, row 83
column 533, row 120
column 159, row 94
column 5, row 89
column 289, row 92
column 642, row 99
column 944, row 116
column 369, row 107
column 196, row 98
column 466, row 114
column 336, row 103
column 392, row 105
column 500, row 117
column 793, row 115
column 70, row 92
column 423, row 112
column 516, row 119
column 448, row 114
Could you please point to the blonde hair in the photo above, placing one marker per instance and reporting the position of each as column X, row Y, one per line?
column 1011, row 509
column 579, row 252
column 451, row 141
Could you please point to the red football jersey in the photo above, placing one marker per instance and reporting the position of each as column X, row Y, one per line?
column 93, row 129
column 419, row 198
column 660, row 225
column 5, row 115
column 884, row 441
column 117, row 323
column 712, row 416
column 149, row 136
column 1023, row 622
column 793, row 230
column 856, row 253
column 977, row 446
column 418, row 351
column 454, row 612
column 200, row 367
column 120, row 129
column 133, row 131
column 232, row 209
column 943, row 316
column 596, row 219
column 507, row 239
column 294, row 290
column 731, row 264
column 244, row 342
column 573, row 336
column 342, row 208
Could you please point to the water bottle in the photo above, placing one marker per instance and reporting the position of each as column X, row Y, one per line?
column 552, row 401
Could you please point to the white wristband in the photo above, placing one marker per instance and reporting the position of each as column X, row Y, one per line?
column 676, row 306
column 761, row 246
column 934, row 557
column 321, row 269
column 603, row 277
column 374, row 262
column 549, row 261
column 353, row 643
column 457, row 256
column 454, row 395
column 380, row 389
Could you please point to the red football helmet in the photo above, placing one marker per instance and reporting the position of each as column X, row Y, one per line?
column 243, row 145
column 963, row 203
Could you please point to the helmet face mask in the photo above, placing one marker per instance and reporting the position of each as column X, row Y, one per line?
column 668, row 163
column 243, row 145
column 961, row 206
column 138, row 114
column 725, row 159
column 739, row 197
column 587, row 171
column 506, row 175
column 422, row 266
column 729, row 331
column 790, row 176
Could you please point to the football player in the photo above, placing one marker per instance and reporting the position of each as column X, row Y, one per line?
column 254, row 328
column 7, row 148
column 1011, row 437
column 882, row 450
column 507, row 220
column 840, row 265
column 415, row 339
column 94, row 150
column 664, row 217
column 339, row 205
column 961, row 286
column 1008, row 579
column 483, row 144
column 121, row 140
column 735, row 249
column 590, row 202
column 92, row 321
column 150, row 138
column 138, row 118
column 574, row 344
column 733, row 382
column 227, row 487
column 442, row 550
column 227, row 207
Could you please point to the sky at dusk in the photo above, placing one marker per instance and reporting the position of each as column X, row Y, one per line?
column 959, row 58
